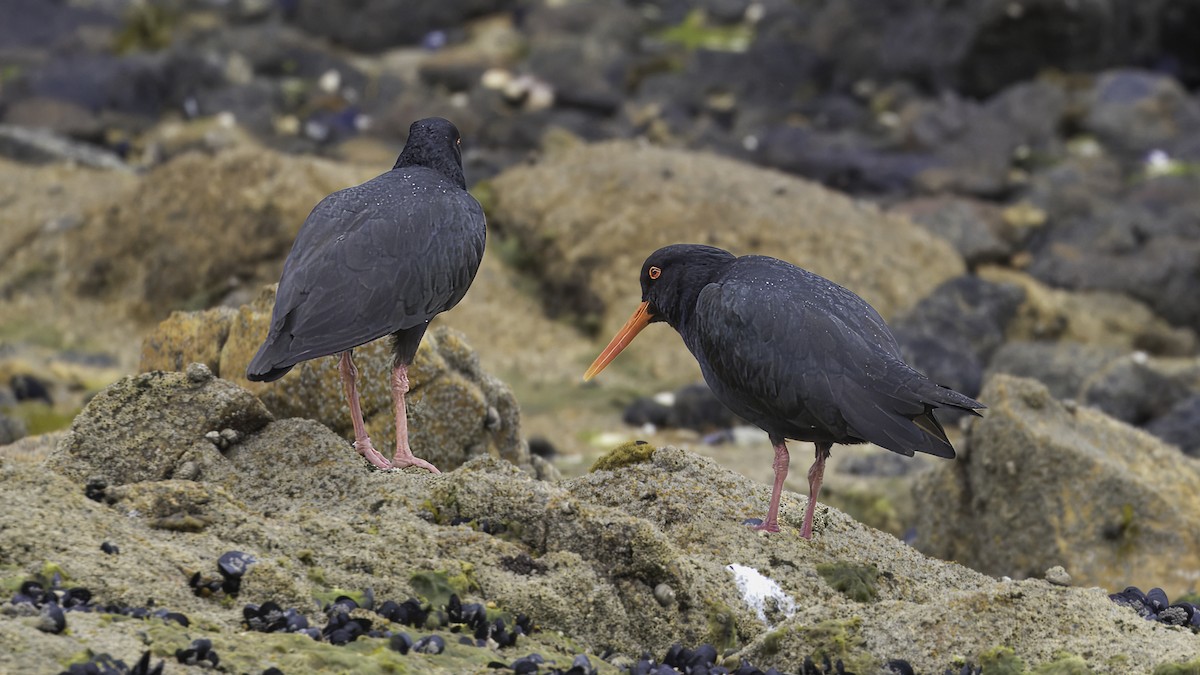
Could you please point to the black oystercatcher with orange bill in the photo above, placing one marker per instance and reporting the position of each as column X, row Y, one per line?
column 792, row 352
column 381, row 258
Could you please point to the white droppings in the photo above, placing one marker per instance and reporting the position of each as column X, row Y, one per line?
column 760, row 592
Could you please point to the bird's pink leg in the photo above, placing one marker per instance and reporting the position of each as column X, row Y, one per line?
column 815, row 474
column 771, row 524
column 362, row 442
column 404, row 456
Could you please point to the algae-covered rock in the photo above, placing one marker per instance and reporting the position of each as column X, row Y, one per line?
column 456, row 410
column 198, row 226
column 1040, row 483
column 628, row 560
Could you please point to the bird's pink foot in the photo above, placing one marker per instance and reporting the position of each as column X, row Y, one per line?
column 769, row 526
column 372, row 455
column 403, row 459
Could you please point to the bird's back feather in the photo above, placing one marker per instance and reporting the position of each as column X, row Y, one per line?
column 371, row 260
column 806, row 359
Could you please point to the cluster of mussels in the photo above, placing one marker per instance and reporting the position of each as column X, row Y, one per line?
column 343, row 628
column 680, row 660
column 1154, row 606
column 52, row 602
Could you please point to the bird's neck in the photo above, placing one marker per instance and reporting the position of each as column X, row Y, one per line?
column 449, row 167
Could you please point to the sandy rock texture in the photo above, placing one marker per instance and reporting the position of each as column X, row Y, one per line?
column 628, row 558
column 1041, row 483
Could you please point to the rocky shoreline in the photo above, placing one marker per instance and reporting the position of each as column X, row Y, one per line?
column 1012, row 185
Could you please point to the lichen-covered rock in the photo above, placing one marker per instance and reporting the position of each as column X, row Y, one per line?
column 1040, row 483
column 631, row 558
column 153, row 426
column 456, row 410
column 198, row 226
column 1091, row 317
column 188, row 337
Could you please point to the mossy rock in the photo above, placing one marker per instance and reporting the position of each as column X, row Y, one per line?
column 856, row 582
column 1001, row 661
column 633, row 452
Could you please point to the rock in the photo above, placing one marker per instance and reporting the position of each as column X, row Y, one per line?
column 369, row 26
column 1102, row 319
column 456, row 410
column 1061, row 366
column 1019, row 480
column 1103, row 235
column 1057, row 576
column 188, row 337
column 583, row 51
column 148, row 427
column 689, row 407
column 1136, row 111
column 171, row 244
column 584, row 220
column 38, row 146
column 953, row 332
column 844, row 160
column 975, row 228
column 591, row 562
column 12, row 429
column 1180, row 425
column 1137, row 388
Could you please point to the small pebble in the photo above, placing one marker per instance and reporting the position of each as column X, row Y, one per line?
column 664, row 594
column 198, row 372
column 1058, row 576
column 110, row 548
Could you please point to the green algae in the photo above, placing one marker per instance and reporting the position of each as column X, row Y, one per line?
column 773, row 641
column 1064, row 664
column 1001, row 661
column 147, row 27
column 722, row 627
column 1190, row 668
column 625, row 454
column 328, row 597
column 839, row 639
column 694, row 32
column 437, row 587
column 855, row 581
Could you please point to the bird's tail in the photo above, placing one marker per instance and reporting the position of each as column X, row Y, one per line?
column 261, row 368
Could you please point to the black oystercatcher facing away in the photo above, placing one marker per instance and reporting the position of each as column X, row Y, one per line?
column 794, row 353
column 381, row 258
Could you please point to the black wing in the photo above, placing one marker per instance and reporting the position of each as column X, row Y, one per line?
column 810, row 360
column 370, row 260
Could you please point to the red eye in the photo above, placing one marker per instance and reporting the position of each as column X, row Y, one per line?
column 654, row 272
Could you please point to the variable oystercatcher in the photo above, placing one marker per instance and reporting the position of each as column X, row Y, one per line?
column 792, row 352
column 381, row 258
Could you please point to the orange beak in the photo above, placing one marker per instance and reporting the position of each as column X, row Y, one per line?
column 640, row 319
